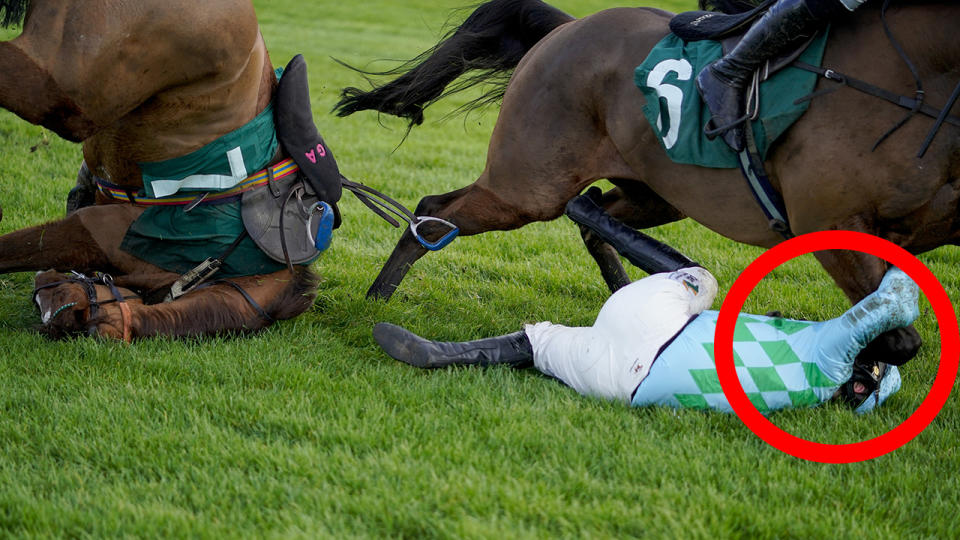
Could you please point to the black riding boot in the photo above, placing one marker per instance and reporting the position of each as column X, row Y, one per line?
column 644, row 252
column 512, row 349
column 722, row 83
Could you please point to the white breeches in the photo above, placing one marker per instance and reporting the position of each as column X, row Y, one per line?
column 609, row 359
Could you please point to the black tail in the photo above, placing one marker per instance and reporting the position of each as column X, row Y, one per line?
column 491, row 42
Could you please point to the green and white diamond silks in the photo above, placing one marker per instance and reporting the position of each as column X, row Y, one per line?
column 775, row 361
column 779, row 362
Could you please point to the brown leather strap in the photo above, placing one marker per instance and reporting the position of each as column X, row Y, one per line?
column 126, row 319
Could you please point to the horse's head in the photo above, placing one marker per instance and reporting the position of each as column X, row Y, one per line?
column 64, row 304
column 76, row 304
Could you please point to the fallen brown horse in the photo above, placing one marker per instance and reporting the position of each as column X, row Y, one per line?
column 571, row 115
column 136, row 84
column 88, row 241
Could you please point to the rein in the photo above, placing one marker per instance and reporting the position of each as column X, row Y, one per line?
column 89, row 286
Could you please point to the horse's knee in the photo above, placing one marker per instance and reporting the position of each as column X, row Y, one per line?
column 433, row 205
column 894, row 347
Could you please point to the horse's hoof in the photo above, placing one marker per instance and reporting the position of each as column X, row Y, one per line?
column 381, row 290
column 895, row 347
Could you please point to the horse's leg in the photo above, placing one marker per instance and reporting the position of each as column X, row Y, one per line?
column 87, row 240
column 473, row 209
column 859, row 274
column 84, row 192
column 636, row 205
column 539, row 158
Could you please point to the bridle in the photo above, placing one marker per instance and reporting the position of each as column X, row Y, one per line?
column 89, row 285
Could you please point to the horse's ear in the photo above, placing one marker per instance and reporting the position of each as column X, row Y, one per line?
column 298, row 133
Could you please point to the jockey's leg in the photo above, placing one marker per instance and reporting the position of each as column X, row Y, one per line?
column 610, row 358
column 644, row 252
column 606, row 360
column 782, row 363
column 785, row 24
column 681, row 293
column 401, row 344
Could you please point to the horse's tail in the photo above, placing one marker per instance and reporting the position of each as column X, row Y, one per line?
column 490, row 42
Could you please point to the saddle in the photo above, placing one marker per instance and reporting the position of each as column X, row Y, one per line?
column 290, row 219
column 769, row 117
column 729, row 29
column 700, row 25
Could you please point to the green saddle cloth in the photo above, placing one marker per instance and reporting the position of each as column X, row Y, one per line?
column 678, row 115
column 178, row 241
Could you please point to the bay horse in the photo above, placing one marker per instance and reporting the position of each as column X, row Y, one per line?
column 571, row 115
column 135, row 83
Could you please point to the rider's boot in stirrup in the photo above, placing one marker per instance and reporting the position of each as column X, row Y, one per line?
column 512, row 349
column 722, row 83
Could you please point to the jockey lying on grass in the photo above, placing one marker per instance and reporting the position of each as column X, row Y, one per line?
column 652, row 344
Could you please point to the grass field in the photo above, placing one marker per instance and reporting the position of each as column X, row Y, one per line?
column 308, row 430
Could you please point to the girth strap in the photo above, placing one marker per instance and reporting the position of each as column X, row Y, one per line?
column 769, row 199
column 265, row 176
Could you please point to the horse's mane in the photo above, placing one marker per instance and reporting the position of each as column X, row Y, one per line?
column 728, row 6
column 12, row 12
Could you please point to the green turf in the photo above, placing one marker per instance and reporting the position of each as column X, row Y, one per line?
column 308, row 430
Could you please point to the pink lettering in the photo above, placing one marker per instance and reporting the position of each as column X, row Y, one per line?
column 312, row 156
column 321, row 150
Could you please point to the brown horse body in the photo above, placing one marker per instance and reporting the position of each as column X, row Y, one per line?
column 140, row 84
column 571, row 115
